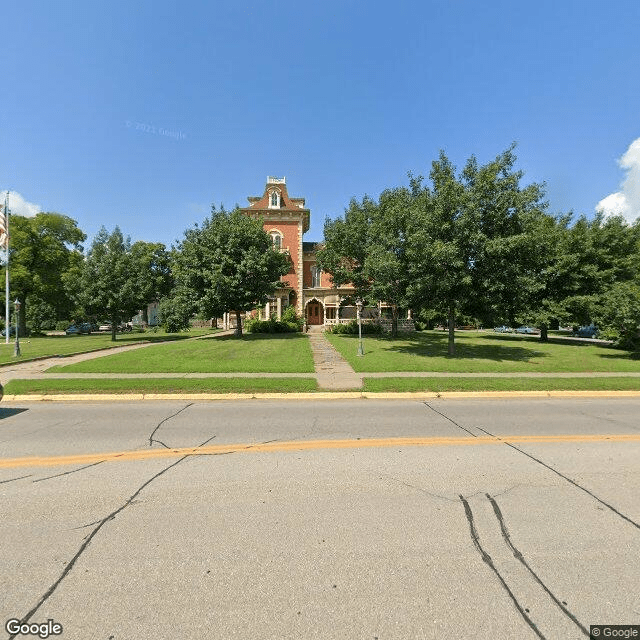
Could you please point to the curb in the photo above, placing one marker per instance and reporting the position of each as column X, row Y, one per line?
column 338, row 395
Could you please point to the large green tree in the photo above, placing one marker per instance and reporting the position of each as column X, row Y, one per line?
column 226, row 264
column 444, row 247
column 116, row 281
column 43, row 249
column 369, row 249
column 473, row 252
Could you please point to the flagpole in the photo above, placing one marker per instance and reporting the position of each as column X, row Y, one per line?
column 6, row 270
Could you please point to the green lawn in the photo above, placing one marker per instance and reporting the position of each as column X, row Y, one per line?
column 438, row 385
column 162, row 385
column 480, row 352
column 65, row 345
column 259, row 353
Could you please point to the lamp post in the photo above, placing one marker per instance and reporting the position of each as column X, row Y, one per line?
column 359, row 307
column 16, row 351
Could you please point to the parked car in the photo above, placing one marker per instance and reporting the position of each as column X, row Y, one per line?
column 12, row 332
column 503, row 329
column 104, row 327
column 77, row 329
column 590, row 331
column 527, row 330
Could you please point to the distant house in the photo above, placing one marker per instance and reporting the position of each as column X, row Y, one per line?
column 152, row 315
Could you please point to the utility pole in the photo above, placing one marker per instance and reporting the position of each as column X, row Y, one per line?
column 4, row 241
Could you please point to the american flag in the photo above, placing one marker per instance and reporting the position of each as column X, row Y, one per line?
column 4, row 224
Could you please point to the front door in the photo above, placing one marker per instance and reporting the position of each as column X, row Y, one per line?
column 314, row 313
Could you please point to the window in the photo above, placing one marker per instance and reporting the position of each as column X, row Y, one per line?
column 315, row 276
column 276, row 239
column 274, row 199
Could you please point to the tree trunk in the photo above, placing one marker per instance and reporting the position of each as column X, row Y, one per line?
column 114, row 327
column 238, row 331
column 394, row 321
column 452, row 330
column 544, row 335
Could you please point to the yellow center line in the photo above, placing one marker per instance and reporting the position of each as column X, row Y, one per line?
column 304, row 445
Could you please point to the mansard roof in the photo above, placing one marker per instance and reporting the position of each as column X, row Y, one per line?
column 287, row 207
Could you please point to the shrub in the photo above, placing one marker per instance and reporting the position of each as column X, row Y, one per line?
column 270, row 326
column 175, row 313
column 351, row 328
column 61, row 325
column 291, row 316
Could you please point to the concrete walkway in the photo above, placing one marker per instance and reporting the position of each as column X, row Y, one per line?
column 332, row 370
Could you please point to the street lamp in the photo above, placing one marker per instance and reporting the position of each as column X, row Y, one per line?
column 16, row 351
column 359, row 307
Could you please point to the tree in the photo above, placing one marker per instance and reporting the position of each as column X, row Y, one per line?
column 443, row 249
column 227, row 264
column 114, row 281
column 618, row 313
column 42, row 250
column 154, row 277
column 473, row 252
column 368, row 249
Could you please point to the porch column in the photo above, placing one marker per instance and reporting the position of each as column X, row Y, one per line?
column 409, row 315
column 267, row 310
column 338, row 310
column 279, row 307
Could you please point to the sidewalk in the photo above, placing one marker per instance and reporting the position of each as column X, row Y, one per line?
column 333, row 372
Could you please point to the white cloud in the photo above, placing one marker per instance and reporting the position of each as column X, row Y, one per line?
column 626, row 202
column 19, row 206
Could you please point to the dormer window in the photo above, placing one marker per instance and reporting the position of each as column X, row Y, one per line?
column 274, row 199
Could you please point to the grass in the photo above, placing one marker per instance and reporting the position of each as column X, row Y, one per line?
column 161, row 385
column 259, row 353
column 480, row 352
column 65, row 345
column 438, row 385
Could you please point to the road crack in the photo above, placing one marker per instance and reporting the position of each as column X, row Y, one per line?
column 153, row 433
column 426, row 404
column 558, row 473
column 14, row 479
column 96, row 530
column 488, row 561
column 66, row 473
column 517, row 554
column 413, row 486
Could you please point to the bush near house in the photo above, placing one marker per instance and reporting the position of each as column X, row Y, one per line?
column 352, row 328
column 270, row 326
column 290, row 323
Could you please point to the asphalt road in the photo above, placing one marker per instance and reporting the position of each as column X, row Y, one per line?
column 363, row 519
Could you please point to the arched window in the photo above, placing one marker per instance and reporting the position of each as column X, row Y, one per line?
column 275, row 199
column 276, row 239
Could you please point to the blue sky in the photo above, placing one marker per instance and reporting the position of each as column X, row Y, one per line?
column 143, row 114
